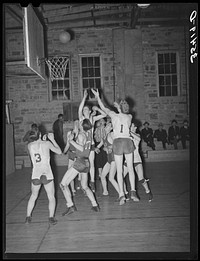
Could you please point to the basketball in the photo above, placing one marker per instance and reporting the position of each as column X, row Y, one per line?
column 64, row 37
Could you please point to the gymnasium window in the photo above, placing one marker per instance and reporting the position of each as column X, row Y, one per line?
column 91, row 73
column 167, row 73
column 61, row 88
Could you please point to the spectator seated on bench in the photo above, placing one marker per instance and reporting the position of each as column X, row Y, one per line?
column 147, row 135
column 161, row 135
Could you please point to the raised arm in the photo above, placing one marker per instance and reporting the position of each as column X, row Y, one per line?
column 67, row 144
column 98, row 117
column 80, row 109
column 117, row 106
column 53, row 144
column 103, row 108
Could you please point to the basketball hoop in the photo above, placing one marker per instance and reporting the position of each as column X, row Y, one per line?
column 57, row 67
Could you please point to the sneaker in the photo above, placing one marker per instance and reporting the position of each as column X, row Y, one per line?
column 69, row 210
column 95, row 208
column 105, row 194
column 150, row 195
column 92, row 186
column 52, row 221
column 28, row 220
column 127, row 197
column 134, row 196
column 122, row 200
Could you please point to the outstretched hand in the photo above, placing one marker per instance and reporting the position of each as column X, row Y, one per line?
column 95, row 92
column 85, row 93
column 116, row 105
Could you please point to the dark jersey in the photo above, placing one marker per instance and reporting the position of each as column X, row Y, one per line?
column 87, row 146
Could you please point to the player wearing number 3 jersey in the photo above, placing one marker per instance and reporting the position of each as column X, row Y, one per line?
column 122, row 144
column 39, row 149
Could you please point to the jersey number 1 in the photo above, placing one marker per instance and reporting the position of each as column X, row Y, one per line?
column 121, row 128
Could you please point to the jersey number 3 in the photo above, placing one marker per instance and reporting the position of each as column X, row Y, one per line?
column 38, row 157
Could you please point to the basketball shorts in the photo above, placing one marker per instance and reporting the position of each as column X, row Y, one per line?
column 123, row 146
column 71, row 155
column 110, row 157
column 81, row 165
column 43, row 180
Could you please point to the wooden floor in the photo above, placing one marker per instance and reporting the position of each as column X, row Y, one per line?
column 161, row 226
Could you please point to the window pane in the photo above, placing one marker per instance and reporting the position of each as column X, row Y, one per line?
column 85, row 72
column 168, row 90
column 167, row 68
column 67, row 94
column 160, row 58
column 85, row 83
column 60, row 84
column 66, row 84
column 174, row 79
column 161, row 80
column 54, row 95
column 60, row 94
column 166, row 58
column 174, row 90
column 162, row 90
column 161, row 69
column 90, row 62
column 67, row 73
column 168, row 80
column 173, row 57
column 91, row 72
column 97, row 72
column 91, row 83
column 98, row 83
column 84, row 61
column 54, row 84
column 173, row 68
column 97, row 61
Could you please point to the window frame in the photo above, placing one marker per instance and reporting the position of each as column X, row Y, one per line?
column 81, row 76
column 177, row 73
column 70, row 84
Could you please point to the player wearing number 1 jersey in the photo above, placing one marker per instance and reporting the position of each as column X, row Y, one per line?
column 122, row 144
column 39, row 149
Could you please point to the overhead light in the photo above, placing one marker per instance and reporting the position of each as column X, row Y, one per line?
column 143, row 5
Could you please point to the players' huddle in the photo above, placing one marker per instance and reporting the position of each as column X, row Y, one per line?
column 120, row 142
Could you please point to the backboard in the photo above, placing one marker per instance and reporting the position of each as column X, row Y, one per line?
column 34, row 42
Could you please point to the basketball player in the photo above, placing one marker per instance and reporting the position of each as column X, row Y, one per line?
column 39, row 150
column 84, row 112
column 110, row 166
column 71, row 150
column 122, row 144
column 138, row 162
column 80, row 165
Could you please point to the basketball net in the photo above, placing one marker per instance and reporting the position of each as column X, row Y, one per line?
column 57, row 67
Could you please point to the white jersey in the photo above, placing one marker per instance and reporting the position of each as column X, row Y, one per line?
column 121, row 124
column 40, row 157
